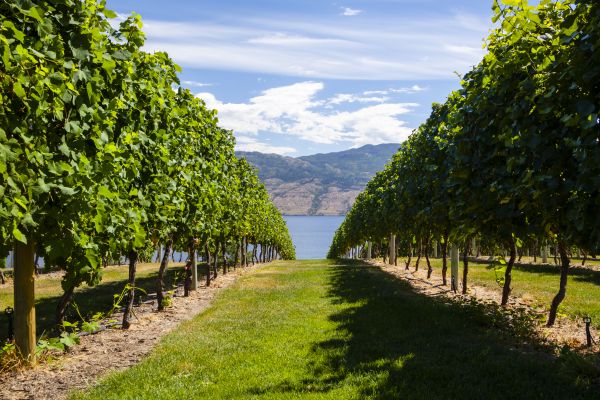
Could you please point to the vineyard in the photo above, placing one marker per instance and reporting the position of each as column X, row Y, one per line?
column 507, row 166
column 104, row 159
column 147, row 260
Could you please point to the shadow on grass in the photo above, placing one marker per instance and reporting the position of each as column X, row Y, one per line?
column 391, row 342
column 90, row 300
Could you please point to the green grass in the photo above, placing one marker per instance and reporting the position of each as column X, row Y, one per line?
column 321, row 330
column 538, row 284
column 89, row 299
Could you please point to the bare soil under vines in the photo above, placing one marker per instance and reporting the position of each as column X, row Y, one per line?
column 565, row 332
column 109, row 350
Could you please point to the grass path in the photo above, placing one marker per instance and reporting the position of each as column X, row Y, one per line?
column 320, row 330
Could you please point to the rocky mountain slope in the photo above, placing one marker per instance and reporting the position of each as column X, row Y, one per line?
column 319, row 184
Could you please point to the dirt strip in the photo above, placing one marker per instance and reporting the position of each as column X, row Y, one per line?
column 110, row 350
column 565, row 331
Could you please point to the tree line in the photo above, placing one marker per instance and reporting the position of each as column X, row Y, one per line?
column 510, row 160
column 104, row 155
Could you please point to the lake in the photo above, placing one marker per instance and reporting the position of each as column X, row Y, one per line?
column 312, row 235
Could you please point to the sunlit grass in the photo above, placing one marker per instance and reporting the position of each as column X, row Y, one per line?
column 317, row 330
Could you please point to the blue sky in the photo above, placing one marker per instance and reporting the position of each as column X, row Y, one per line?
column 302, row 77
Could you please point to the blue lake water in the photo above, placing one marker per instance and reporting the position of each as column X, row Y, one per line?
column 312, row 235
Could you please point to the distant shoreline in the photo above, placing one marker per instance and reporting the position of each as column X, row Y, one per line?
column 314, row 215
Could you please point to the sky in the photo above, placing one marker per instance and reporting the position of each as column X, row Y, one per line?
column 298, row 77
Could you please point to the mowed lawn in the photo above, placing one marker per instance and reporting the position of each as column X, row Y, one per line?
column 345, row 330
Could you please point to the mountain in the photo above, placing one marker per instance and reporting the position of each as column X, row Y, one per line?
column 319, row 184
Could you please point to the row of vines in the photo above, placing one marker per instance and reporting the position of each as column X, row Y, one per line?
column 103, row 155
column 509, row 161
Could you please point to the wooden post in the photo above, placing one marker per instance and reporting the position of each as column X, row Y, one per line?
column 245, row 244
column 544, row 252
column 392, row 249
column 194, row 265
column 158, row 254
column 454, row 267
column 24, row 295
column 369, row 250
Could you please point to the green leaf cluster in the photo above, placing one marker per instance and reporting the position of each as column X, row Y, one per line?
column 511, row 157
column 103, row 153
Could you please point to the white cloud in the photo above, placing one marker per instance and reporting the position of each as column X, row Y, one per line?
column 472, row 22
column 394, row 48
column 195, row 83
column 469, row 51
column 405, row 90
column 245, row 143
column 351, row 98
column 372, row 92
column 350, row 12
column 412, row 89
column 294, row 110
column 282, row 39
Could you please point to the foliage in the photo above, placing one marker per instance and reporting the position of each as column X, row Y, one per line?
column 499, row 267
column 102, row 154
column 65, row 341
column 510, row 157
column 168, row 299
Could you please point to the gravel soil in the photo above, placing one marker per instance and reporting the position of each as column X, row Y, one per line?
column 564, row 332
column 110, row 350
